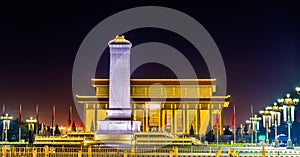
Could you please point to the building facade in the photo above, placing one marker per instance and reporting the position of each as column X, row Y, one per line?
column 178, row 106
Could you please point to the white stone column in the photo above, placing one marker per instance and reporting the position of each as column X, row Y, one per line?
column 119, row 82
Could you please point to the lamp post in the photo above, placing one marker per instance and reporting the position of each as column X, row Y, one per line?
column 266, row 123
column 275, row 119
column 30, row 122
column 249, row 122
column 288, row 115
column 297, row 90
column 255, row 120
column 242, row 130
column 6, row 121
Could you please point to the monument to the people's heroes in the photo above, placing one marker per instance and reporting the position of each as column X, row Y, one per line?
column 119, row 116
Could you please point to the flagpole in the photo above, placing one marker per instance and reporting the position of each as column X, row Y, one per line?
column 37, row 120
column 200, row 134
column 217, row 134
column 70, row 121
column 20, row 122
column 251, row 124
column 234, row 129
column 131, row 121
column 71, row 115
column 53, row 120
column 218, row 129
column 3, row 109
column 3, row 112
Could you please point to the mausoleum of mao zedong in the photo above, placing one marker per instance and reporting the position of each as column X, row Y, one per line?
column 166, row 105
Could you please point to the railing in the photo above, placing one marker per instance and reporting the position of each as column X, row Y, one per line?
column 46, row 151
column 9, row 151
column 163, row 138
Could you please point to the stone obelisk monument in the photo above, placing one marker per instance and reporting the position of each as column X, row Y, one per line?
column 119, row 78
column 119, row 120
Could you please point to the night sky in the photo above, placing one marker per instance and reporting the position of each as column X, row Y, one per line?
column 259, row 43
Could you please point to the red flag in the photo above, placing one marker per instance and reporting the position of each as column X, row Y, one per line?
column 217, row 120
column 251, row 122
column 37, row 117
column 20, row 116
column 233, row 118
column 251, row 110
column 70, row 117
column 53, row 117
column 3, row 109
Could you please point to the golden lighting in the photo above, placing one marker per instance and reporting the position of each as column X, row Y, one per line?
column 119, row 39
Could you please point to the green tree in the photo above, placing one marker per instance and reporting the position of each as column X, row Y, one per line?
column 192, row 130
column 56, row 131
column 74, row 127
column 210, row 137
column 13, row 132
column 227, row 131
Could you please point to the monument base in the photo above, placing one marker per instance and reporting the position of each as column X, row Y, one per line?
column 115, row 140
column 118, row 127
column 117, row 132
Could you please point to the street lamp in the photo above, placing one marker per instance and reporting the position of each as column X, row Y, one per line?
column 30, row 123
column 255, row 122
column 288, row 115
column 266, row 123
column 6, row 121
column 297, row 90
column 249, row 122
column 275, row 117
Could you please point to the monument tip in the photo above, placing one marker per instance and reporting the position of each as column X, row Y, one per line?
column 119, row 40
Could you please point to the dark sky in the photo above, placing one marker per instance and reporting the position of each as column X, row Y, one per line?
column 259, row 43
